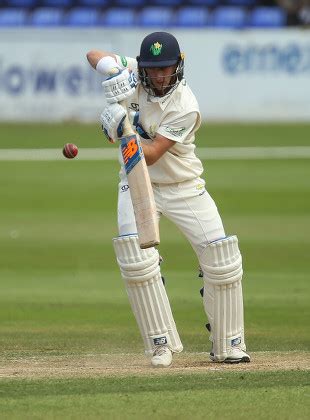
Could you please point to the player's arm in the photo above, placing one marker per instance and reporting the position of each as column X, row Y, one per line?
column 174, row 129
column 120, row 81
column 94, row 56
column 153, row 151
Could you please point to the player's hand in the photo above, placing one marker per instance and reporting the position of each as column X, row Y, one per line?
column 120, row 86
column 112, row 119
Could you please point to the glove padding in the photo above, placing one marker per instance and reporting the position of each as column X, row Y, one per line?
column 112, row 119
column 120, row 86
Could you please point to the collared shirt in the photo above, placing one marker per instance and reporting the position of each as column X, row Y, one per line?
column 175, row 116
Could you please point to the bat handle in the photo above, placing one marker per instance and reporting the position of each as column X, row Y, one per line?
column 127, row 128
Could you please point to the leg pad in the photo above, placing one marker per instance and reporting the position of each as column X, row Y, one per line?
column 221, row 263
column 147, row 295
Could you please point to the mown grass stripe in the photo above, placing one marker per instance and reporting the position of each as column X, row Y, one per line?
column 212, row 153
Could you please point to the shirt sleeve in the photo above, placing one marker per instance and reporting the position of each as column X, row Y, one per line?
column 178, row 127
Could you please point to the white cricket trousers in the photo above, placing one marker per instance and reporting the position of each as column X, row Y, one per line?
column 187, row 204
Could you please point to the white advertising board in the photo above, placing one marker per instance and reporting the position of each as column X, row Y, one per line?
column 236, row 75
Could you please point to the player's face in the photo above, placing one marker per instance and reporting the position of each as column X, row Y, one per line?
column 161, row 78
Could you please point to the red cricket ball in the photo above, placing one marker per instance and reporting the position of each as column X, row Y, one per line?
column 70, row 150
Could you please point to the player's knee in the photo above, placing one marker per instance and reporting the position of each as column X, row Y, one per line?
column 221, row 262
column 136, row 264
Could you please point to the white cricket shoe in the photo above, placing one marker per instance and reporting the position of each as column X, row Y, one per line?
column 162, row 357
column 236, row 355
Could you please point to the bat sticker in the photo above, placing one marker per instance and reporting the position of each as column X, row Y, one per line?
column 131, row 151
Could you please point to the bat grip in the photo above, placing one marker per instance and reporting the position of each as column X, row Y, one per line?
column 127, row 128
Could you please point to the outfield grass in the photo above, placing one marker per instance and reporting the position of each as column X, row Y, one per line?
column 213, row 135
column 61, row 292
column 245, row 396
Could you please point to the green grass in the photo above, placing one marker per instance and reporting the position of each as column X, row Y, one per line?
column 247, row 395
column 214, row 135
column 61, row 292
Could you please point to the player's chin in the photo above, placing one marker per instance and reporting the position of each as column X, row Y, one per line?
column 160, row 91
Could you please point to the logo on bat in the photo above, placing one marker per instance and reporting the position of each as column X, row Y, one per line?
column 131, row 152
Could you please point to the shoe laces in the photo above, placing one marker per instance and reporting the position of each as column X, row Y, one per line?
column 159, row 351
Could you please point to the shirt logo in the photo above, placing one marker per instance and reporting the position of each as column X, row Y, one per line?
column 177, row 132
column 156, row 48
column 134, row 106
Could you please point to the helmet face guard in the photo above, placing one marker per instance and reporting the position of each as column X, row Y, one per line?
column 160, row 50
column 152, row 90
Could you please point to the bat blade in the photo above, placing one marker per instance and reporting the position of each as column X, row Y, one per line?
column 140, row 188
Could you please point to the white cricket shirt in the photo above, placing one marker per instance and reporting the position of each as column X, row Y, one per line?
column 175, row 116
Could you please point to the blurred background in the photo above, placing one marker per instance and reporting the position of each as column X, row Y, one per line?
column 246, row 60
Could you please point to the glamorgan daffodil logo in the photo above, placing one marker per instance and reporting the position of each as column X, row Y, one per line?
column 156, row 48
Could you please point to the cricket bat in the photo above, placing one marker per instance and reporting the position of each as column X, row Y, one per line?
column 140, row 187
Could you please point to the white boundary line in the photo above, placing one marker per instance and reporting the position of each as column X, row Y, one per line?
column 208, row 153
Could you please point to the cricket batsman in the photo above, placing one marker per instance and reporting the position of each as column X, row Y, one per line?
column 165, row 114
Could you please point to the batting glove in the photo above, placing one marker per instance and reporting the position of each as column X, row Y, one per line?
column 112, row 120
column 120, row 86
column 134, row 120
